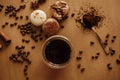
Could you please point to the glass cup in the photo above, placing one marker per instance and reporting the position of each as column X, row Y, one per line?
column 54, row 61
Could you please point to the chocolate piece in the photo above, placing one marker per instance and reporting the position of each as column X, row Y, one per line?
column 59, row 10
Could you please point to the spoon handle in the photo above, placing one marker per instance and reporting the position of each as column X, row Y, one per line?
column 104, row 47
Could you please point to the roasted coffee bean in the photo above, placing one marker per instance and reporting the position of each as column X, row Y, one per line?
column 114, row 37
column 112, row 52
column 62, row 26
column 16, row 18
column 118, row 61
column 112, row 41
column 98, row 54
column 21, row 17
column 91, row 43
column 73, row 14
column 11, row 25
column 108, row 35
column 82, row 69
column 78, row 58
column 27, row 78
column 6, row 23
column 109, row 66
column 15, row 23
column 27, row 41
column 93, row 57
column 80, row 52
column 78, row 66
column 33, row 47
column 96, row 57
column 26, row 17
column 105, row 43
column 3, row 26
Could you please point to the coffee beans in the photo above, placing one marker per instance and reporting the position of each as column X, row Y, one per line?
column 82, row 69
column 34, row 5
column 109, row 66
column 91, row 43
column 1, row 7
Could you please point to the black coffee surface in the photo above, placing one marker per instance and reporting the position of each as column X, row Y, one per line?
column 57, row 51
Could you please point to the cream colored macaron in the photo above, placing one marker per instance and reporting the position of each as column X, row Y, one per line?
column 38, row 17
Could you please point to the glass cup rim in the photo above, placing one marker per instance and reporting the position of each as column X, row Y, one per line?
column 50, row 64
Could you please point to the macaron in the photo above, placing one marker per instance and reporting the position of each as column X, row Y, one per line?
column 59, row 10
column 38, row 17
column 51, row 27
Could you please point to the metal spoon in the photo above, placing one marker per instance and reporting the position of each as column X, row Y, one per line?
column 104, row 47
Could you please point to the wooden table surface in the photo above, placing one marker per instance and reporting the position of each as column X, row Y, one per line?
column 80, row 40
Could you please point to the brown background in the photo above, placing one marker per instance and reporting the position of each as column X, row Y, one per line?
column 95, row 69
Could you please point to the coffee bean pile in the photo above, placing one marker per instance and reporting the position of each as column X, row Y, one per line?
column 12, row 10
column 1, row 7
column 27, row 29
column 21, row 56
column 78, row 58
column 96, row 56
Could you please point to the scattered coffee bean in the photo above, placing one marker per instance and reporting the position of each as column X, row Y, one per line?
column 78, row 66
column 1, row 7
column 98, row 54
column 6, row 23
column 107, row 36
column 96, row 57
column 80, row 52
column 73, row 14
column 27, row 18
column 91, row 43
column 3, row 26
column 62, row 26
column 109, row 66
column 27, row 78
column 33, row 47
column 114, row 37
column 112, row 41
column 16, row 18
column 93, row 57
column 82, row 69
column 21, row 17
column 112, row 51
column 118, row 61
column 78, row 58
column 15, row 23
